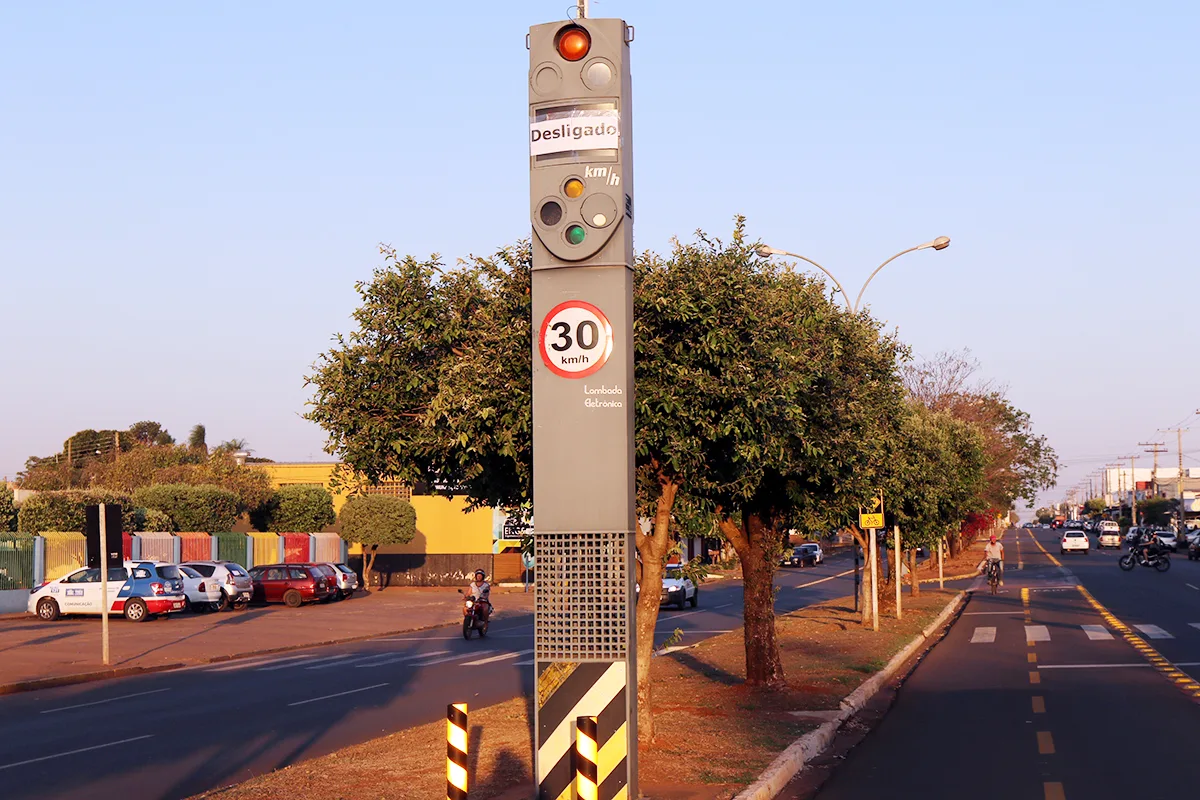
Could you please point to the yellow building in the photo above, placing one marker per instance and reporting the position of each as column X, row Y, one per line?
column 442, row 525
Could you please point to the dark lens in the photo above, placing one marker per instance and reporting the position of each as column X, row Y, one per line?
column 551, row 213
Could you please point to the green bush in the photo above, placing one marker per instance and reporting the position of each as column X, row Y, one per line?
column 8, row 511
column 65, row 510
column 190, row 508
column 155, row 520
column 296, row 509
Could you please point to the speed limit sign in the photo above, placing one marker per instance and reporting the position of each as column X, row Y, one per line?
column 576, row 339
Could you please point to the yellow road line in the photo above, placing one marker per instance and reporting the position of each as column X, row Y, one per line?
column 1168, row 670
column 1045, row 743
column 1033, row 658
column 1053, row 790
column 1035, row 677
column 1039, row 704
column 1053, row 560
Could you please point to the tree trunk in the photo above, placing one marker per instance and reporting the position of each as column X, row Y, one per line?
column 753, row 543
column 368, row 565
column 912, row 572
column 864, row 597
column 653, row 550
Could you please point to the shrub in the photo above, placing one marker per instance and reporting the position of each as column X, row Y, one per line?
column 190, row 508
column 375, row 520
column 155, row 520
column 296, row 509
column 8, row 511
column 65, row 510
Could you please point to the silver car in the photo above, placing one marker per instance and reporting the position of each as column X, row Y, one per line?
column 347, row 580
column 236, row 585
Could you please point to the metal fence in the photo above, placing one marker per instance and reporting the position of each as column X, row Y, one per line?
column 231, row 547
column 16, row 562
column 65, row 552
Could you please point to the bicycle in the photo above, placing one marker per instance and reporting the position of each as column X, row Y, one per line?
column 993, row 570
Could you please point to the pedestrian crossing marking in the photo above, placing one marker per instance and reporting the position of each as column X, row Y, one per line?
column 1154, row 632
column 501, row 657
column 1195, row 625
column 1096, row 632
column 983, row 636
column 1037, row 633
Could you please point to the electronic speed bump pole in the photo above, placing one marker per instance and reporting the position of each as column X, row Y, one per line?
column 581, row 209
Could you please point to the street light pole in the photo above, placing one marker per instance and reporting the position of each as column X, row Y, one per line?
column 940, row 243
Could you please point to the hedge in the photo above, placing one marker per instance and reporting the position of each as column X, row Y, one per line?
column 190, row 507
column 296, row 509
column 65, row 510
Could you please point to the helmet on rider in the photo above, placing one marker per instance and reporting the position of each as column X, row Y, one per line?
column 480, row 575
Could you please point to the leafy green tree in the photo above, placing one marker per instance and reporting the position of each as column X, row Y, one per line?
column 196, row 439
column 149, row 433
column 8, row 510
column 375, row 521
column 1151, row 511
column 1044, row 515
column 296, row 509
column 65, row 510
column 1095, row 507
column 211, row 509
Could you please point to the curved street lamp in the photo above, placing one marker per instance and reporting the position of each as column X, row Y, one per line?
column 940, row 243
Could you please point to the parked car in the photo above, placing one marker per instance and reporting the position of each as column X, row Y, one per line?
column 678, row 589
column 808, row 554
column 1167, row 539
column 347, row 581
column 331, row 574
column 292, row 584
column 138, row 589
column 1074, row 540
column 1193, row 552
column 199, row 593
column 233, row 580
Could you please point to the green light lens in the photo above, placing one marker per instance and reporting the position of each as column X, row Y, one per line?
column 576, row 234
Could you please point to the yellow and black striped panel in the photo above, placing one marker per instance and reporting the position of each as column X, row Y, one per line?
column 456, row 752
column 594, row 689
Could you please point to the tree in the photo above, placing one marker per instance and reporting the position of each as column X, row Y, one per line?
column 196, row 439
column 1044, row 515
column 296, row 509
column 233, row 446
column 374, row 521
column 1096, row 506
column 1151, row 511
column 8, row 510
column 65, row 510
column 148, row 432
column 211, row 509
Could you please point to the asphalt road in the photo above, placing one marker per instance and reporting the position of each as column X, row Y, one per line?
column 1012, row 706
column 172, row 734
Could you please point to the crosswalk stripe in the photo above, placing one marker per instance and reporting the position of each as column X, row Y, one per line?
column 502, row 657
column 259, row 663
column 1154, row 632
column 983, row 636
column 442, row 660
column 1195, row 625
column 1037, row 633
column 399, row 659
column 524, row 663
column 300, row 663
column 1096, row 632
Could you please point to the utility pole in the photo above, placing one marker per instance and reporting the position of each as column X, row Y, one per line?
column 1155, row 448
column 1179, row 477
column 1133, row 491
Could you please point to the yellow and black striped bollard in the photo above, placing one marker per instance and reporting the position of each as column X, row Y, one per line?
column 456, row 751
column 587, row 756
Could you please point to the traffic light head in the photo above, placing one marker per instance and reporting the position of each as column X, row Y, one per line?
column 580, row 156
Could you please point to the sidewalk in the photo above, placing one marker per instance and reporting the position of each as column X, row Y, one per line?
column 34, row 654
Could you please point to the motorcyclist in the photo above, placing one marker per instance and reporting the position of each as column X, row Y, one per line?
column 481, row 592
column 994, row 552
column 1147, row 543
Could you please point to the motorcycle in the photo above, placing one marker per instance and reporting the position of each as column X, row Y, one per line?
column 1154, row 558
column 475, row 617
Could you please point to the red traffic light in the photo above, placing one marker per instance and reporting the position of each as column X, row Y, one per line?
column 573, row 43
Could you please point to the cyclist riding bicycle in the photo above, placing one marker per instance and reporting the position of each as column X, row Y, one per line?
column 993, row 553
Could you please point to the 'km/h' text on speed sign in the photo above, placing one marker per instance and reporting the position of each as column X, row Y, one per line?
column 576, row 339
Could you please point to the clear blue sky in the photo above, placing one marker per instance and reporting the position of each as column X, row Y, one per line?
column 189, row 194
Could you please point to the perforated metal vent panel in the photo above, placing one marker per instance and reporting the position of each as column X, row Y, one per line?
column 582, row 610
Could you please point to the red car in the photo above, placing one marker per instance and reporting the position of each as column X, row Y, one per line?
column 293, row 584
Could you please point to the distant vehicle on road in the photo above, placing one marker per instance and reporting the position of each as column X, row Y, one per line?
column 292, row 584
column 199, row 593
column 1075, row 540
column 234, row 581
column 1193, row 552
column 139, row 590
column 1109, row 536
column 678, row 589
column 808, row 554
column 1167, row 539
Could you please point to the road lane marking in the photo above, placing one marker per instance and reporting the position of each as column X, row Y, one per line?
column 1032, row 658
column 109, row 700
column 1037, row 633
column 1154, row 632
column 991, row 613
column 525, row 663
column 1096, row 632
column 1039, row 704
column 831, row 577
column 262, row 662
column 1195, row 625
column 1035, row 678
column 443, row 660
column 1045, row 743
column 1089, row 666
column 339, row 694
column 501, row 657
column 983, row 636
column 273, row 667
column 1190, row 586
column 1053, row 790
column 398, row 659
column 74, row 752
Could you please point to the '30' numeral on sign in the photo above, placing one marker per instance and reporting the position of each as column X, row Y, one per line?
column 575, row 340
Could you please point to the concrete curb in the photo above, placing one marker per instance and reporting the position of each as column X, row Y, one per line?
column 811, row 744
column 101, row 675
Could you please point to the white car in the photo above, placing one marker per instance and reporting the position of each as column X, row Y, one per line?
column 1167, row 539
column 1110, row 534
column 231, row 578
column 139, row 590
column 200, row 593
column 678, row 589
column 1074, row 540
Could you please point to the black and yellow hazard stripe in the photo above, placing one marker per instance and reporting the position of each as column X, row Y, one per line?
column 592, row 689
column 456, row 751
column 587, row 753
